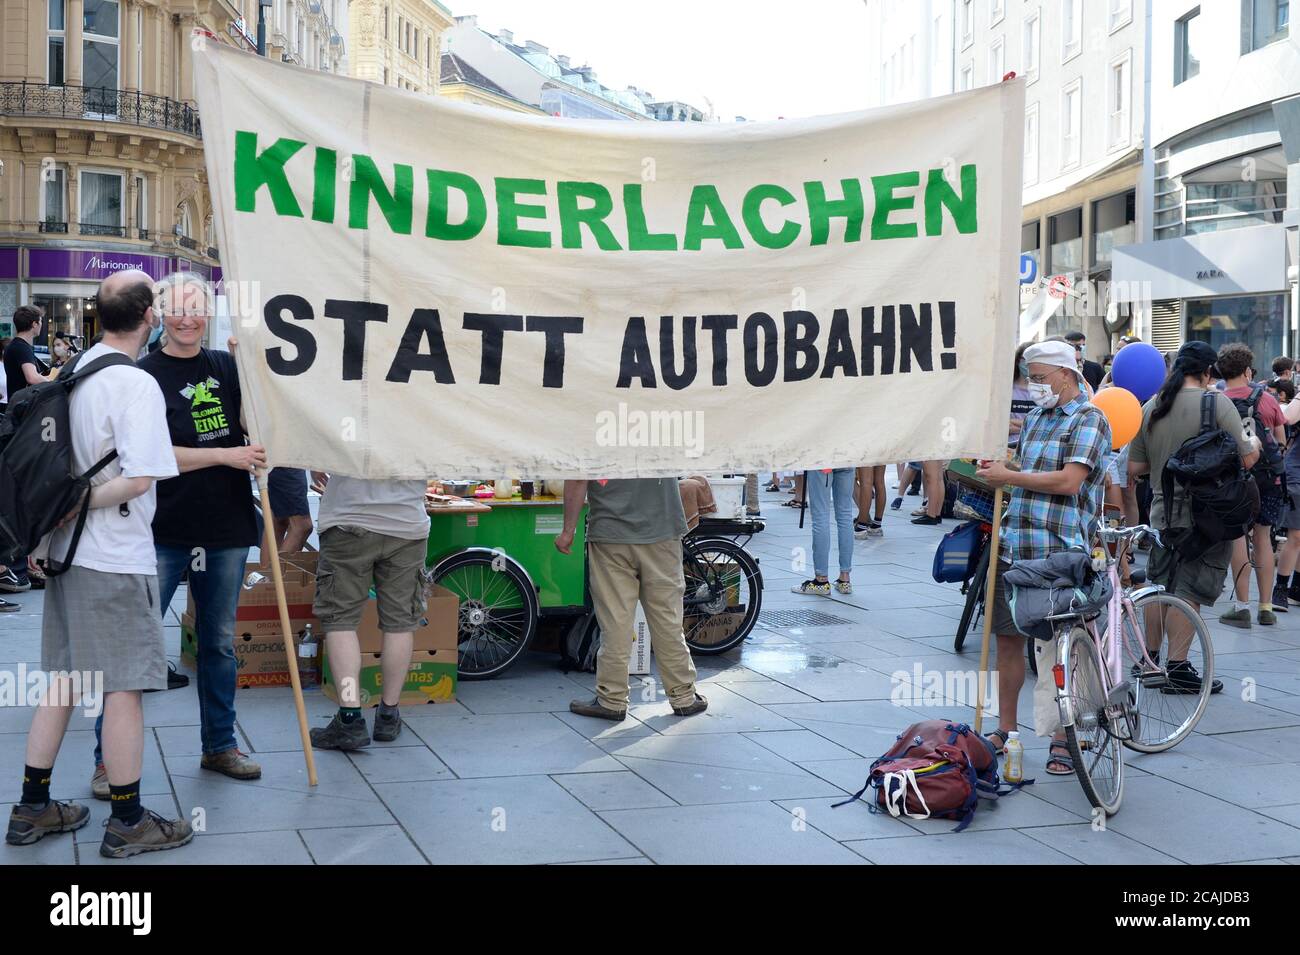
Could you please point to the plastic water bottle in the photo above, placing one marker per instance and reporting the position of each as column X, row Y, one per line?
column 309, row 658
column 1013, row 759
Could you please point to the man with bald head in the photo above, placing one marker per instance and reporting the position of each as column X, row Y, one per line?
column 102, row 612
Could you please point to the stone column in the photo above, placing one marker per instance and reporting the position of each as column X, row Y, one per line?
column 188, row 22
column 129, row 58
column 74, row 207
column 72, row 42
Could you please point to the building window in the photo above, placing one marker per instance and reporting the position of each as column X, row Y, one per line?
column 184, row 222
column 99, row 55
column 967, row 23
column 1071, row 28
column 997, row 10
column 142, row 207
column 1263, row 22
column 1031, row 145
column 100, row 198
column 1071, row 124
column 1119, row 99
column 428, row 52
column 1257, row 320
column 55, row 56
column 1218, row 206
column 385, row 76
column 1066, row 235
column 1030, row 50
column 967, row 77
column 1121, row 14
column 54, row 199
column 1113, row 223
column 1187, row 47
column 415, row 47
column 997, row 61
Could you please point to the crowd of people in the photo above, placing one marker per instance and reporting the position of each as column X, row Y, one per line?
column 173, row 501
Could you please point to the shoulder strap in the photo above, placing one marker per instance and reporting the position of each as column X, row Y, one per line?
column 103, row 361
column 1208, row 417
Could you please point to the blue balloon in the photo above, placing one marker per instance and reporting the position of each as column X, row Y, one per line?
column 1140, row 368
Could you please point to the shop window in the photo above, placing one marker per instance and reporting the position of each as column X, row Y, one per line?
column 1031, row 243
column 1113, row 223
column 1257, row 320
column 1217, row 206
column 1066, row 237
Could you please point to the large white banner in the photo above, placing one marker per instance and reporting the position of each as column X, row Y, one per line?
column 425, row 288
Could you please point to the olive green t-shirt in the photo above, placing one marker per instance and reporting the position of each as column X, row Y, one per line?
column 1155, row 443
column 634, row 511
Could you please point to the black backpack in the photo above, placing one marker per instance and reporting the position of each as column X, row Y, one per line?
column 1268, row 468
column 38, row 483
column 581, row 644
column 1222, row 497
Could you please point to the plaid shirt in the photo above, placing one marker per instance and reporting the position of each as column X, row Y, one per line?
column 1039, row 525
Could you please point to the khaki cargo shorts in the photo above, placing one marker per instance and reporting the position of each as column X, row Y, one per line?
column 1200, row 580
column 350, row 559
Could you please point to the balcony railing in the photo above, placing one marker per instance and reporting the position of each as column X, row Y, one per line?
column 52, row 226
column 213, row 252
column 187, row 243
column 90, row 228
column 99, row 103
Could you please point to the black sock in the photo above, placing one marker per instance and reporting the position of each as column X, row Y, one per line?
column 126, row 803
column 386, row 711
column 349, row 714
column 36, row 786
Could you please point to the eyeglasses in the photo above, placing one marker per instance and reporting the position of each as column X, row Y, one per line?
column 1041, row 379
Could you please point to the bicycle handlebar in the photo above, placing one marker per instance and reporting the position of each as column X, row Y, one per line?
column 1136, row 533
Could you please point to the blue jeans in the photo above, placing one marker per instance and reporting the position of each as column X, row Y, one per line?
column 216, row 595
column 821, row 489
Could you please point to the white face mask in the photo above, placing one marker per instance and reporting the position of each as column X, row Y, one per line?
column 1042, row 394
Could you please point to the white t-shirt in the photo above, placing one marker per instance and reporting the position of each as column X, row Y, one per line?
column 392, row 508
column 118, row 407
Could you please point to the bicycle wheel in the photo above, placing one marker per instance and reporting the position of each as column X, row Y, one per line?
column 498, row 611
column 724, row 591
column 1167, row 712
column 974, row 599
column 1098, row 756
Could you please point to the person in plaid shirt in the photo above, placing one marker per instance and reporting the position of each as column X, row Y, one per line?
column 1056, row 499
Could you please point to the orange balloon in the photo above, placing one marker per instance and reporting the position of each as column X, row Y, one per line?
column 1123, row 411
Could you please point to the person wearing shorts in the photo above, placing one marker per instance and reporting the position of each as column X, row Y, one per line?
column 371, row 531
column 287, row 491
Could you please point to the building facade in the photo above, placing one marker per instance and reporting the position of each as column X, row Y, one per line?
column 1215, row 263
column 310, row 33
column 1082, row 64
column 461, row 82
column 398, row 42
column 101, row 159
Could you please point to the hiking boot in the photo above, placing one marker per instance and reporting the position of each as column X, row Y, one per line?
column 698, row 705
column 99, row 782
column 1267, row 618
column 1236, row 618
column 594, row 707
column 13, row 583
column 152, row 833
column 387, row 728
column 821, row 588
column 28, row 825
column 231, row 762
column 340, row 735
column 1280, row 602
column 1183, row 680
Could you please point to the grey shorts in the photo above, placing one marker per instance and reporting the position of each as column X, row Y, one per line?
column 350, row 559
column 1291, row 510
column 1200, row 581
column 1004, row 624
column 109, row 623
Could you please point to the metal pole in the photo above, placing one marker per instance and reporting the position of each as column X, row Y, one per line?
column 261, row 29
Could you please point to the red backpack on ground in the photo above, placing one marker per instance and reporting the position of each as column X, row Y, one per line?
column 937, row 769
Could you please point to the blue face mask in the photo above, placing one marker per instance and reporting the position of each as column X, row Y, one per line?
column 155, row 335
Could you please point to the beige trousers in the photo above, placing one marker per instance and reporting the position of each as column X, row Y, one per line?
column 621, row 575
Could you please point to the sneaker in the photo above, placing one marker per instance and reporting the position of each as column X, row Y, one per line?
column 387, row 728
column 876, row 530
column 28, row 825
column 1138, row 668
column 153, row 833
column 99, row 783
column 1281, row 603
column 844, row 586
column 594, row 707
column 821, row 588
column 698, row 705
column 1183, row 680
column 1236, row 618
column 896, row 503
column 7, row 606
column 919, row 512
column 340, row 735
column 1267, row 618
column 232, row 763
column 1293, row 593
column 927, row 520
column 12, row 583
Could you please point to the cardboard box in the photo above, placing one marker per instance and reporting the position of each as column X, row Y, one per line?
column 258, row 602
column 719, row 628
column 431, row 679
column 259, row 651
column 439, row 631
column 639, row 663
